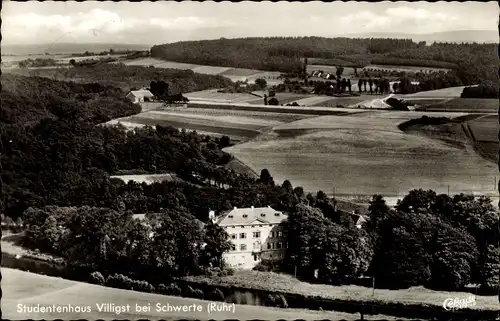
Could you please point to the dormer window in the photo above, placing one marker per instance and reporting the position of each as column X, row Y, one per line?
column 245, row 215
column 230, row 216
column 276, row 214
column 263, row 215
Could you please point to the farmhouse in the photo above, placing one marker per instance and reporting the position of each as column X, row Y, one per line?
column 256, row 233
column 140, row 96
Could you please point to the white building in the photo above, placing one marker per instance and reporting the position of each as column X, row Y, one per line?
column 256, row 233
column 139, row 96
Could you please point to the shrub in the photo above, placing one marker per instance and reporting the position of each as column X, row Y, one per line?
column 97, row 278
column 262, row 267
column 142, row 286
column 119, row 281
column 188, row 292
column 270, row 301
column 162, row 288
column 198, row 294
column 281, row 301
column 217, row 295
column 276, row 300
column 174, row 290
column 227, row 272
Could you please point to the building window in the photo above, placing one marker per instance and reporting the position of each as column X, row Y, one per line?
column 255, row 258
column 272, row 234
column 243, row 235
column 256, row 246
column 233, row 247
column 280, row 234
column 233, row 236
column 256, row 235
column 278, row 245
column 243, row 247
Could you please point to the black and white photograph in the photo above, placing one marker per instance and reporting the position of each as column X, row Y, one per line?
column 250, row 161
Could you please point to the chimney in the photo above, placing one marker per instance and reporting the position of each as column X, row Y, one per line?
column 234, row 208
column 252, row 207
column 268, row 206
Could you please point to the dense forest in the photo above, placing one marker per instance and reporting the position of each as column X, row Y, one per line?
column 128, row 77
column 475, row 61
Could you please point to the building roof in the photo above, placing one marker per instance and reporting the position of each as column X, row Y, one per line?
column 141, row 93
column 251, row 215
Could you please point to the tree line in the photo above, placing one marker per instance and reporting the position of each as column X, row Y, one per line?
column 474, row 61
column 126, row 77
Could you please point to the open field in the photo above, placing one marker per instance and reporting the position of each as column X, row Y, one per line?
column 313, row 100
column 235, row 74
column 485, row 128
column 146, row 62
column 239, row 125
column 468, row 105
column 348, row 72
column 484, row 132
column 286, row 283
column 342, row 101
column 365, row 154
column 215, row 96
column 405, row 68
column 31, row 289
column 283, row 98
column 452, row 92
column 148, row 178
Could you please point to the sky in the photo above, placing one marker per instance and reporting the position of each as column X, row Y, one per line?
column 163, row 22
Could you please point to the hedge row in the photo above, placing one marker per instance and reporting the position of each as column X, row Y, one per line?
column 120, row 281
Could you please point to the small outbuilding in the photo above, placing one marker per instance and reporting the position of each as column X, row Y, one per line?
column 140, row 96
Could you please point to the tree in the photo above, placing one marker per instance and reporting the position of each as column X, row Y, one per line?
column 224, row 141
column 454, row 259
column 273, row 101
column 339, row 70
column 261, row 83
column 490, row 265
column 401, row 257
column 72, row 62
column 418, row 201
column 265, row 177
column 217, row 243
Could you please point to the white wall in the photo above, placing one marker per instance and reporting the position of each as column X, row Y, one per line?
column 244, row 258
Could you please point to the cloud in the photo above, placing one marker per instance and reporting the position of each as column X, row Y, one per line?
column 401, row 19
column 86, row 26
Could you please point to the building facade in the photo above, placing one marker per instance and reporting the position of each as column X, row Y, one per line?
column 257, row 234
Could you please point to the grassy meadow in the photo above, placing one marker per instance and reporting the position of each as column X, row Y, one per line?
column 365, row 154
column 287, row 283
